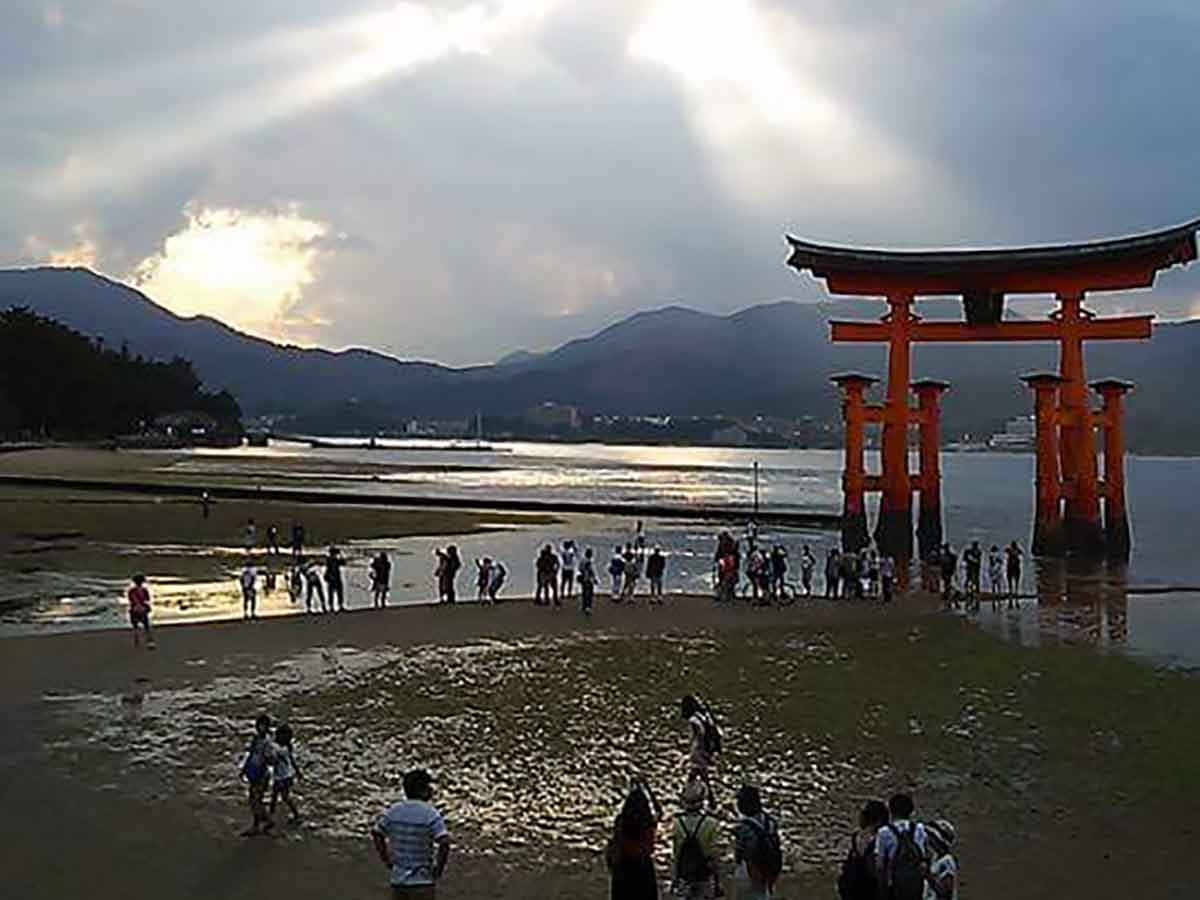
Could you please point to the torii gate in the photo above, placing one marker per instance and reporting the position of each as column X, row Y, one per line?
column 983, row 278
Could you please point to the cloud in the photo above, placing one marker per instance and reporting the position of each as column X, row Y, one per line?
column 517, row 173
column 247, row 269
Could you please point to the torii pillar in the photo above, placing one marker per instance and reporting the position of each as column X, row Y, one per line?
column 1116, row 522
column 929, row 420
column 854, row 470
column 1049, row 538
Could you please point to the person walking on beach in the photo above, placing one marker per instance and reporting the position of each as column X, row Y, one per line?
column 334, row 585
column 779, row 567
column 381, row 577
column 704, row 743
column 568, row 569
column 285, row 773
column 833, row 572
column 808, row 565
column 250, row 536
column 972, row 569
column 901, row 856
column 587, row 582
column 632, row 574
column 312, row 582
column 412, row 841
column 273, row 540
column 630, row 851
column 616, row 571
column 656, row 567
column 297, row 541
column 256, row 772
column 758, row 849
column 499, row 573
column 1012, row 566
column 995, row 570
column 859, row 878
column 453, row 565
column 139, row 610
column 695, row 842
column 249, row 583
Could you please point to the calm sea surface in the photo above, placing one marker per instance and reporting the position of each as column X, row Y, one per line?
column 988, row 497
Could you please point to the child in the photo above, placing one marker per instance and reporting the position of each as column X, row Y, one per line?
column 286, row 772
column 139, row 610
column 256, row 770
column 942, row 881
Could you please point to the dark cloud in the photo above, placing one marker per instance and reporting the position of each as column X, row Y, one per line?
column 478, row 203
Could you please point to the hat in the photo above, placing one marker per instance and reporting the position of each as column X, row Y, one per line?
column 693, row 795
column 417, row 781
column 943, row 832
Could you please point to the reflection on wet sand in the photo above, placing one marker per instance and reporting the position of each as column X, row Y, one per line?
column 1073, row 603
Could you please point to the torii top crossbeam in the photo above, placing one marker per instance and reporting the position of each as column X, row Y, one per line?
column 1111, row 265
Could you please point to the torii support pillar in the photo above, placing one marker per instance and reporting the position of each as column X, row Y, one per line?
column 1116, row 522
column 1077, row 445
column 893, row 530
column 929, row 419
column 1049, row 537
column 854, row 470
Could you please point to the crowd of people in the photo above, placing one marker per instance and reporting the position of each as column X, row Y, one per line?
column 892, row 855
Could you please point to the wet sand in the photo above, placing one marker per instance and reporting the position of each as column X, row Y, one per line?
column 1067, row 772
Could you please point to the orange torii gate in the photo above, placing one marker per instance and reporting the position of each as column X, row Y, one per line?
column 1068, row 512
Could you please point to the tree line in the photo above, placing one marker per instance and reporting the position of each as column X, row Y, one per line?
column 58, row 383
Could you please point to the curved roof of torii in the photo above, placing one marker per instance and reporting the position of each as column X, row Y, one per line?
column 1116, row 264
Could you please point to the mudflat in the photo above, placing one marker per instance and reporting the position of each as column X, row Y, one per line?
column 1068, row 773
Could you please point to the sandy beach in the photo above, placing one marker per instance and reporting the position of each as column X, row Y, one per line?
column 1062, row 769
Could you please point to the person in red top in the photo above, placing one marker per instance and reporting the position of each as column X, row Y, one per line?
column 139, row 609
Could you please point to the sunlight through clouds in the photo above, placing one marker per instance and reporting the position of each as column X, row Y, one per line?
column 249, row 270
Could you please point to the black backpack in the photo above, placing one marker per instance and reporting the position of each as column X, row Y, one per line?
column 908, row 865
column 691, row 865
column 858, row 879
column 712, row 734
column 767, row 853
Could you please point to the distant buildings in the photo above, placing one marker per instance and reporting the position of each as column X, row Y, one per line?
column 1018, row 434
column 555, row 416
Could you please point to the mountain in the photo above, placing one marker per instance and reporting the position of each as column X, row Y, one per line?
column 771, row 359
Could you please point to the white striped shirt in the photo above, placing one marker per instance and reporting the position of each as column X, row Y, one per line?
column 411, row 828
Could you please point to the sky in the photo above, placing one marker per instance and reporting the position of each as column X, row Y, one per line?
column 455, row 180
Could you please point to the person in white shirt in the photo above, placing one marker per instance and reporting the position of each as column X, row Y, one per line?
column 942, row 881
column 249, row 583
column 412, row 841
column 568, row 557
column 889, row 859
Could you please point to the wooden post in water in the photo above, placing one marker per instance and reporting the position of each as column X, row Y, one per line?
column 854, row 473
column 1048, row 536
column 1116, row 522
column 929, row 421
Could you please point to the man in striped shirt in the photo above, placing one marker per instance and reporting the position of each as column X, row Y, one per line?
column 412, row 841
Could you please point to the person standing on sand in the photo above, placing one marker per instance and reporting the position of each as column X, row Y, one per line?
column 256, row 771
column 381, row 576
column 333, row 580
column 412, row 841
column 273, row 540
column 483, row 578
column 1012, row 564
column 616, row 571
column 297, row 541
column 499, row 573
column 900, row 852
column 833, row 565
column 694, row 844
column 704, row 743
column 453, row 565
column 995, row 570
column 541, row 575
column 249, row 583
column 205, row 504
column 949, row 564
column 587, row 582
column 250, row 536
column 887, row 577
column 139, row 610
column 859, row 878
column 630, row 851
column 629, row 586
column 756, row 847
column 656, row 567
column 312, row 581
column 808, row 565
column 285, row 774
column 568, row 569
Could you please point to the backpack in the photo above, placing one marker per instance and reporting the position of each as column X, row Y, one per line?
column 691, row 865
column 711, row 735
column 908, row 865
column 767, row 853
column 857, row 881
